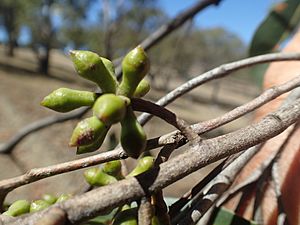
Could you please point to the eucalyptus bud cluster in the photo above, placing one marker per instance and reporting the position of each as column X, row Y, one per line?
column 109, row 173
column 23, row 206
column 112, row 107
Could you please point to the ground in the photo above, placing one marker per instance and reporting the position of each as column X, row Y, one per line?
column 22, row 90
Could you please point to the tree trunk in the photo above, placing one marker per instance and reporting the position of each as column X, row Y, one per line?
column 9, row 21
column 11, row 45
column 43, row 58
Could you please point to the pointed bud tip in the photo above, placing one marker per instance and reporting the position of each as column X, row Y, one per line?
column 45, row 102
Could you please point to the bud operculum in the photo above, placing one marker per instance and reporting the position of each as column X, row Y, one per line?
column 134, row 67
column 96, row 177
column 92, row 67
column 87, row 132
column 65, row 99
column 110, row 108
column 144, row 164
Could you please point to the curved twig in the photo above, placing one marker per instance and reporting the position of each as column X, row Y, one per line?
column 103, row 199
column 40, row 173
column 172, row 138
column 236, row 113
column 216, row 188
column 217, row 73
column 177, row 206
column 38, row 125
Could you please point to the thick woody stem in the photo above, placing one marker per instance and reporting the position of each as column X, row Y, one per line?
column 103, row 199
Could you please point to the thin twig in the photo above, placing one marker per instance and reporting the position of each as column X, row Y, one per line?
column 162, row 113
column 177, row 206
column 257, row 174
column 41, row 173
column 100, row 200
column 209, row 125
column 55, row 216
column 167, row 139
column 38, row 125
column 145, row 211
column 282, row 218
column 217, row 73
column 161, row 209
column 293, row 96
column 176, row 22
column 260, row 188
column 216, row 188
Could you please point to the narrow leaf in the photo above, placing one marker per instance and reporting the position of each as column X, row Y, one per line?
column 278, row 25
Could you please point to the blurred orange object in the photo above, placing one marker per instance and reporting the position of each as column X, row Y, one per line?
column 289, row 163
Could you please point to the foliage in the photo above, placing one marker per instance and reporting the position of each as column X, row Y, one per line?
column 277, row 26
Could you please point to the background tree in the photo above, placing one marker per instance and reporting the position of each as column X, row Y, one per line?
column 10, row 18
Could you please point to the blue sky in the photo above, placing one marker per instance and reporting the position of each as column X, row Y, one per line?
column 238, row 16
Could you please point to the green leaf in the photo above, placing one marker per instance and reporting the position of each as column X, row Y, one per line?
column 278, row 25
column 225, row 217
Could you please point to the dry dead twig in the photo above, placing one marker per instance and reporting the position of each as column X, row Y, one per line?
column 108, row 197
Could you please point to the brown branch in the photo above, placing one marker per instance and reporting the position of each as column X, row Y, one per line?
column 177, row 206
column 212, row 74
column 38, row 125
column 55, row 216
column 161, row 208
column 34, row 175
column 217, row 73
column 236, row 113
column 215, row 188
column 166, row 115
column 282, row 218
column 176, row 22
column 260, row 188
column 108, row 197
column 142, row 105
column 10, row 184
column 145, row 211
column 267, row 164
column 40, row 173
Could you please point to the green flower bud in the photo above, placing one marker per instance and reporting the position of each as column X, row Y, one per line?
column 96, row 177
column 133, row 136
column 127, row 216
column 142, row 89
column 113, row 168
column 92, row 147
column 87, row 132
column 65, row 99
column 144, row 164
column 39, row 205
column 134, row 66
column 19, row 207
column 110, row 108
column 64, row 197
column 92, row 67
column 49, row 198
